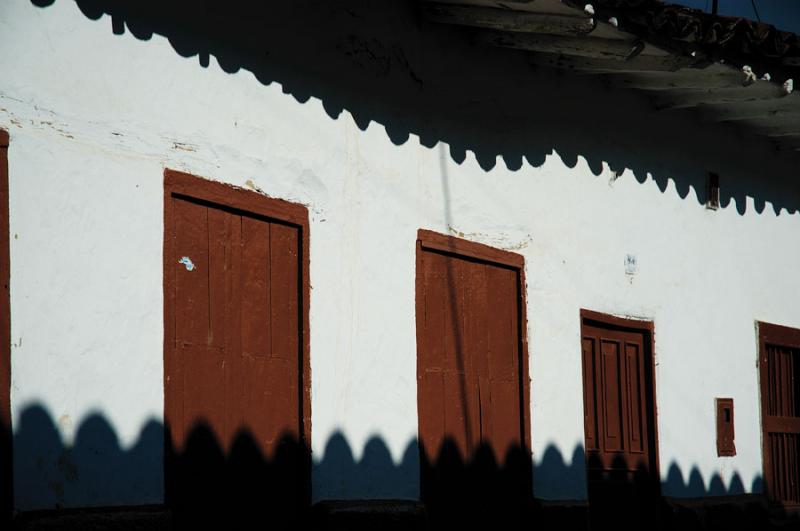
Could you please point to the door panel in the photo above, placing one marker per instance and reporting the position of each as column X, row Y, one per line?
column 263, row 396
column 634, row 385
column 616, row 398
column 780, row 397
column 590, row 412
column 470, row 338
column 471, row 390
column 619, row 423
column 234, row 385
column 610, row 397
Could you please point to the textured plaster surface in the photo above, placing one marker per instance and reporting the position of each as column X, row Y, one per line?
column 95, row 118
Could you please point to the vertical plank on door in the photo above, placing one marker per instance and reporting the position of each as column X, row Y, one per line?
column 202, row 363
column 219, row 223
column 255, row 295
column 504, row 362
column 284, row 278
column 430, row 368
column 633, row 378
column 611, row 399
column 589, row 403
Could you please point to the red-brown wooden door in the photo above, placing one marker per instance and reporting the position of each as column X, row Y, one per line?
column 234, row 371
column 471, row 375
column 619, row 421
column 780, row 413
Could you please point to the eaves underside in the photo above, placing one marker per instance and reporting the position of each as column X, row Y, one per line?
column 728, row 70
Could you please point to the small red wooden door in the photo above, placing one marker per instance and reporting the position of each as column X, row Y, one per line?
column 618, row 420
column 780, row 413
column 470, row 374
column 234, row 358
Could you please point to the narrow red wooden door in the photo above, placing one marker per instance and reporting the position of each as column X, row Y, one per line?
column 619, row 422
column 470, row 379
column 234, row 401
column 780, row 413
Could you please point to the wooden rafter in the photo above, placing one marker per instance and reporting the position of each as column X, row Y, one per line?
column 568, row 46
column 563, row 36
column 643, row 62
column 683, row 98
column 509, row 19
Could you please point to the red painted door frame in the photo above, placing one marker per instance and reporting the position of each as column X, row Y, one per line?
column 6, row 466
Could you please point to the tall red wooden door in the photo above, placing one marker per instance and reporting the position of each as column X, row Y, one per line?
column 471, row 377
column 780, row 413
column 235, row 373
column 619, row 421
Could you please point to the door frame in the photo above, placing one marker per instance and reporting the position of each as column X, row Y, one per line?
column 647, row 327
column 784, row 336
column 430, row 240
column 6, row 444
column 184, row 185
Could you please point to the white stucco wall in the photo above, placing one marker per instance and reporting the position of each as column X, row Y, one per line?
column 95, row 118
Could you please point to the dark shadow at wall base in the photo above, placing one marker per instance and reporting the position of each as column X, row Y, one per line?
column 149, row 517
column 731, row 513
column 209, row 486
column 734, row 513
column 357, row 515
column 236, row 486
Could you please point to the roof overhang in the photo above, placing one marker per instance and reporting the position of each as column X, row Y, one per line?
column 727, row 69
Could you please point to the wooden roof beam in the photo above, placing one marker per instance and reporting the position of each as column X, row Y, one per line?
column 784, row 127
column 754, row 109
column 786, row 142
column 714, row 77
column 509, row 19
column 593, row 66
column 586, row 47
column 685, row 98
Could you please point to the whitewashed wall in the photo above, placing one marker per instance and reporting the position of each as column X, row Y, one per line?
column 95, row 118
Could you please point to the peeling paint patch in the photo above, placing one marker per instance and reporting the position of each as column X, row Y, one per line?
column 183, row 147
column 65, row 422
column 187, row 262
column 455, row 232
column 250, row 184
column 521, row 245
column 500, row 240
